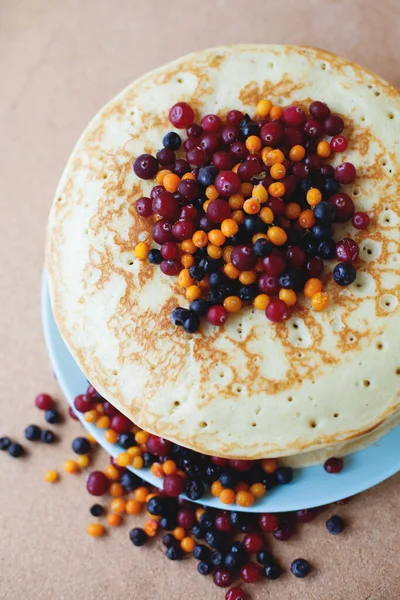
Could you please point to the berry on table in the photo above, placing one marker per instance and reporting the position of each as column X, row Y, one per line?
column 138, row 536
column 52, row 416
column 300, row 567
column 5, row 443
column 272, row 571
column 44, row 401
column 335, row 525
column 16, row 450
column 32, row 433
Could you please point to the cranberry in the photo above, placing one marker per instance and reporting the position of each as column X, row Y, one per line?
column 194, row 131
column 227, row 183
column 165, row 157
column 344, row 207
column 183, row 230
column 283, row 533
column 277, row 206
column 189, row 144
column 277, row 311
column 222, row 578
column 121, row 424
column 158, row 446
column 181, row 167
column 221, row 462
column 145, row 166
column 339, row 143
column 46, row 402
column 239, row 151
column 223, row 523
column 211, row 123
column 333, row 125
column 296, row 257
column 236, row 593
column 333, row 465
column 196, row 156
column 243, row 258
column 218, row 210
column 345, row 173
column 217, row 315
column 210, row 143
column 82, row 403
column 272, row 133
column 229, row 134
column 171, row 267
column 275, row 263
column 301, row 170
column 156, row 191
column 234, row 117
column 268, row 284
column 72, row 413
column 315, row 266
column 242, row 466
column 294, row 116
column 313, row 128
column 306, row 515
column 319, row 110
column 188, row 189
column 251, row 572
column 268, row 522
column 110, row 410
column 165, row 205
column 313, row 162
column 249, row 168
column 186, row 518
column 327, row 171
column 253, row 542
column 181, row 115
column 360, row 220
column 162, row 231
column 189, row 212
column 294, row 136
column 143, row 207
column 347, row 250
column 173, row 485
column 170, row 250
column 222, row 160
column 97, row 483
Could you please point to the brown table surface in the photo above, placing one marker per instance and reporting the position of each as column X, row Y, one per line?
column 59, row 62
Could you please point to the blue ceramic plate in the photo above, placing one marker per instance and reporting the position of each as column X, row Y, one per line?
column 311, row 486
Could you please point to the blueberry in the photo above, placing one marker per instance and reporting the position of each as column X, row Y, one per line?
column 198, row 204
column 15, row 450
column 148, row 459
column 156, row 506
column 210, row 265
column 130, row 481
column 243, row 521
column 52, row 416
column 300, row 567
column 231, row 288
column 253, row 224
column 272, row 571
column 174, row 553
column 325, row 212
column 293, row 280
column 262, row 248
column 247, row 293
column 234, row 560
column 228, row 478
column 198, row 531
column 217, row 280
column 264, row 557
column 207, row 175
column 240, row 238
column 217, row 558
column 5, row 443
column 191, row 324
column 206, row 521
column 201, row 552
column 81, row 445
column 154, row 256
column 127, row 440
column 335, row 525
column 284, row 475
column 168, row 522
column 326, row 249
column 197, row 272
column 96, row 510
column 169, row 540
column 171, row 140
column 47, row 437
column 216, row 297
column 215, row 539
column 205, row 567
column 237, row 546
column 344, row 273
column 32, row 433
column 179, row 316
column 321, row 232
column 310, row 246
column 199, row 307
column 248, row 128
column 212, row 473
column 194, row 489
column 305, row 185
column 330, row 186
column 270, row 480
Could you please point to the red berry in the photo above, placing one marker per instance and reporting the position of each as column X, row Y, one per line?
column 294, row 136
column 274, row 264
column 319, row 110
column 313, row 128
column 296, row 257
column 277, row 311
column 315, row 266
column 283, row 533
column 82, row 403
column 97, row 483
column 173, row 485
column 183, row 230
column 360, row 220
column 306, row 515
column 313, row 162
column 272, row 133
column 144, row 207
column 45, row 402
column 218, row 210
column 333, row 125
column 236, row 593
column 188, row 189
column 249, row 168
column 165, row 206
column 223, row 578
column 290, row 183
column 157, row 189
column 229, row 134
column 243, row 258
column 211, row 123
column 165, row 157
column 223, row 523
column 268, row 522
column 239, row 151
column 339, row 143
column 253, row 542
column 186, row 518
column 181, row 115
column 196, row 156
column 344, row 207
column 268, row 284
column 333, row 465
column 170, row 250
column 171, row 267
column 227, row 183
column 158, row 446
column 222, row 160
column 181, row 167
column 72, row 413
column 217, row 315
column 110, row 410
column 194, row 131
column 162, row 231
column 121, row 424
column 301, row 170
column 221, row 462
column 210, row 143
column 145, row 166
column 190, row 144
column 347, row 250
column 345, row 173
column 277, row 206
column 241, row 465
column 234, row 117
column 251, row 572
column 294, row 116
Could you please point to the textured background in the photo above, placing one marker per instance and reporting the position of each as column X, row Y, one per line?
column 59, row 62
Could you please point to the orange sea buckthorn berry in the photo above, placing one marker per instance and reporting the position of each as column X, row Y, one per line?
column 267, row 216
column 264, row 153
column 193, row 292
column 297, row 153
column 95, row 529
column 245, row 498
column 116, row 490
column 236, row 201
column 260, row 193
column 274, row 157
column 169, row 467
column 123, row 459
column 91, row 416
column 269, row 465
column 320, row 301
column 227, row 496
column 157, row 469
column 277, row 235
column 235, row 168
column 238, row 216
column 261, row 301
column 112, row 473
column 216, row 488
column 100, row 408
column 231, row 271
column 187, row 260
column 200, row 239
column 134, row 451
column 114, row 520
column 141, row 437
column 324, row 149
column 189, row 176
column 161, row 174
column 118, row 505
column 312, row 286
column 142, row 250
column 91, row 439
column 133, row 507
column 252, row 206
column 188, row 246
column 259, row 236
column 292, row 210
column 103, row 422
column 229, row 227
column 214, row 251
column 246, row 189
column 216, row 237
column 206, row 204
column 140, row 494
column 248, row 277
column 242, row 487
column 313, row 196
column 259, row 268
column 188, row 544
column 211, row 192
column 179, row 533
column 82, row 461
column 70, row 466
column 307, row 219
column 199, row 513
column 233, row 304
column 111, row 436
column 137, row 462
column 253, row 144
column 227, row 252
column 277, row 171
column 184, row 278
column 263, row 107
column 276, row 190
column 51, row 476
column 258, row 490
column 151, row 527
column 203, row 283
column 288, row 296
column 276, row 113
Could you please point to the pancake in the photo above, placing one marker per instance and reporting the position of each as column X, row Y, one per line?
column 251, row 388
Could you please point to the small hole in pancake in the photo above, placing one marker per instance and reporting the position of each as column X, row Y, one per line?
column 376, row 93
column 356, row 192
column 239, row 388
column 387, row 220
column 379, row 345
column 270, row 65
column 180, row 80
column 254, row 424
column 203, row 424
column 295, row 326
column 130, row 262
column 290, row 399
column 257, row 411
column 300, row 339
column 312, row 424
column 239, row 329
column 177, row 403
column 390, row 171
column 336, row 415
column 398, row 371
column 370, row 87
column 362, row 118
column 323, row 66
column 86, row 231
column 366, row 383
column 300, row 354
column 369, row 251
column 115, row 372
column 104, row 176
column 391, row 115
column 152, row 368
column 384, row 162
column 351, row 338
column 222, row 374
column 59, row 199
column 202, row 396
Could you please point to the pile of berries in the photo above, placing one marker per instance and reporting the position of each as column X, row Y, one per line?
column 247, row 216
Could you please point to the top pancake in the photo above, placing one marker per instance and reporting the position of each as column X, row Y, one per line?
column 251, row 388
